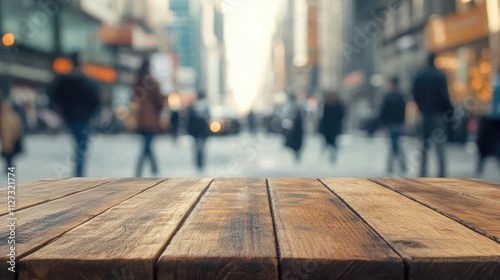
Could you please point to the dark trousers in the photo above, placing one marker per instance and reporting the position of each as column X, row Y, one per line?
column 396, row 153
column 433, row 133
column 200, row 152
column 81, row 133
column 147, row 153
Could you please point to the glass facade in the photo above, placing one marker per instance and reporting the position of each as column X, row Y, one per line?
column 79, row 34
column 32, row 25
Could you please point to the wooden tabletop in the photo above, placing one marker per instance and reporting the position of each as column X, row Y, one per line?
column 82, row 228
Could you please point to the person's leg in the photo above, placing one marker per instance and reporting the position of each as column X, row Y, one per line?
column 148, row 152
column 81, row 133
column 426, row 128
column 142, row 157
column 199, row 150
column 8, row 163
column 393, row 151
column 440, row 138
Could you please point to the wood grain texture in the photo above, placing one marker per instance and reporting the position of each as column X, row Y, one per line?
column 126, row 240
column 229, row 235
column 434, row 246
column 478, row 189
column 475, row 213
column 36, row 226
column 33, row 193
column 319, row 237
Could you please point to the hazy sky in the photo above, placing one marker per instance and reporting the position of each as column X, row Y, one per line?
column 249, row 27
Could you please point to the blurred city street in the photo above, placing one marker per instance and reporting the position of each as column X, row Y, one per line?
column 236, row 156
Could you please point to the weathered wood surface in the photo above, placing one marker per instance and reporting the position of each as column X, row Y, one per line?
column 472, row 212
column 35, row 193
column 434, row 246
column 255, row 229
column 318, row 236
column 479, row 189
column 39, row 225
column 229, row 235
column 130, row 237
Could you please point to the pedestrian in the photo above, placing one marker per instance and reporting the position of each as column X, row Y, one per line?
column 392, row 117
column 175, row 122
column 10, row 134
column 252, row 122
column 149, row 104
column 294, row 127
column 198, row 127
column 496, row 98
column 76, row 98
column 330, row 125
column 430, row 92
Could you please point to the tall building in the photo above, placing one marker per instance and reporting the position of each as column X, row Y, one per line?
column 184, row 33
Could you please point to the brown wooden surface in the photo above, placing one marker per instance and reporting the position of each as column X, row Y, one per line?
column 478, row 189
column 434, row 246
column 39, row 225
column 255, row 229
column 477, row 214
column 131, row 236
column 34, row 193
column 319, row 237
column 229, row 235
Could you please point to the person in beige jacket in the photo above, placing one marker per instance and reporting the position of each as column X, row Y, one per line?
column 10, row 133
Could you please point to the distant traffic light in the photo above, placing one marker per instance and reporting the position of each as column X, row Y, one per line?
column 8, row 39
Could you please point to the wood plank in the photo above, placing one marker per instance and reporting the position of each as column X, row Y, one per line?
column 37, row 226
column 35, row 193
column 126, row 240
column 479, row 215
column 229, row 235
column 479, row 189
column 493, row 184
column 434, row 246
column 319, row 237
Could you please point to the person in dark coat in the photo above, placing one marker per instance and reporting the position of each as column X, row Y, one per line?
column 294, row 132
column 392, row 117
column 10, row 133
column 495, row 105
column 76, row 98
column 150, row 101
column 430, row 92
column 198, row 127
column 331, row 123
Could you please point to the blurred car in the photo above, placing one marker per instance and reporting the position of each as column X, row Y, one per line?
column 223, row 121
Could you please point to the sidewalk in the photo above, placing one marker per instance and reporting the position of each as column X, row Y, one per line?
column 240, row 156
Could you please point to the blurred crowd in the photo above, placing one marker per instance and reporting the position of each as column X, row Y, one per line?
column 75, row 99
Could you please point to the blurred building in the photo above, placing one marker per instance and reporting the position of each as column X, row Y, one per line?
column 184, row 30
column 112, row 36
column 394, row 38
column 331, row 14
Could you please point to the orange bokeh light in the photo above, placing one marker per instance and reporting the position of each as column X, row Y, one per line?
column 62, row 65
column 8, row 39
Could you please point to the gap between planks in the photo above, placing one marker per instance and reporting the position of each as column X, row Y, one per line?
column 48, row 242
column 179, row 226
column 449, row 216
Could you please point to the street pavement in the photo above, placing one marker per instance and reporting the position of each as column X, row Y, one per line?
column 245, row 155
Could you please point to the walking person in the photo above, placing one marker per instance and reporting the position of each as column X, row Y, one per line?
column 294, row 126
column 392, row 117
column 10, row 134
column 149, row 104
column 76, row 98
column 495, row 112
column 430, row 92
column 331, row 123
column 198, row 128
